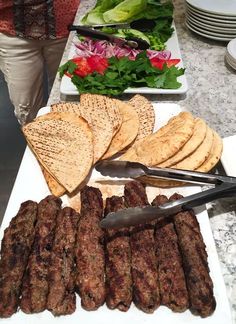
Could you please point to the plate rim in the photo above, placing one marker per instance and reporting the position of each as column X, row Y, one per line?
column 209, row 31
column 214, row 22
column 209, row 26
column 210, row 11
column 207, row 36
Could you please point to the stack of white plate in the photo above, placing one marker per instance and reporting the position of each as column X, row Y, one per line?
column 214, row 19
column 230, row 55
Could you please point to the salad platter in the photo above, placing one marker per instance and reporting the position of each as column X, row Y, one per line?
column 34, row 187
column 68, row 88
column 125, row 47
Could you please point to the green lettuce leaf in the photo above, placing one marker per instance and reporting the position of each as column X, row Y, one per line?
column 125, row 11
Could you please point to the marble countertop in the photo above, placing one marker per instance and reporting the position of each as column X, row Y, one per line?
column 212, row 96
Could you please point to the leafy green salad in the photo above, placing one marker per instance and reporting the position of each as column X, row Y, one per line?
column 118, row 11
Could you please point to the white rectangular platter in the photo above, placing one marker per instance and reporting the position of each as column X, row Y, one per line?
column 68, row 88
column 30, row 184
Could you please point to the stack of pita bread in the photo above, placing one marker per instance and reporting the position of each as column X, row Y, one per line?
column 185, row 143
column 71, row 138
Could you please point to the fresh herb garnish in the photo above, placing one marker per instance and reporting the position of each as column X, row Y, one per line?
column 124, row 73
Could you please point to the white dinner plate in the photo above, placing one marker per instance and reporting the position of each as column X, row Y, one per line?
column 223, row 39
column 231, row 48
column 211, row 21
column 228, row 159
column 68, row 88
column 34, row 187
column 210, row 27
column 215, row 7
column 231, row 62
column 208, row 31
column 207, row 14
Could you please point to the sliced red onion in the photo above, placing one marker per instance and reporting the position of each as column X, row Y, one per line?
column 90, row 47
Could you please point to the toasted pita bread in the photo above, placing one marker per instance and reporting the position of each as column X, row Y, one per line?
column 146, row 115
column 159, row 146
column 103, row 103
column 214, row 156
column 127, row 132
column 98, row 120
column 63, row 144
column 54, row 186
column 199, row 133
column 194, row 160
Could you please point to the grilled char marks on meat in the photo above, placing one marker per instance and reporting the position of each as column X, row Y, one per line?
column 16, row 246
column 173, row 289
column 90, row 257
column 199, row 283
column 118, row 261
column 61, row 298
column 143, row 256
column 35, row 282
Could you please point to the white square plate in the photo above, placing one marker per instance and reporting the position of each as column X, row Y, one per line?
column 30, row 184
column 68, row 88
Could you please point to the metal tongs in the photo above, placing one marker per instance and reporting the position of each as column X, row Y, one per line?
column 225, row 186
column 133, row 42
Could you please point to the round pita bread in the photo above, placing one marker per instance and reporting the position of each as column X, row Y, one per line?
column 63, row 144
column 164, row 143
column 127, row 132
column 214, row 156
column 199, row 133
column 194, row 160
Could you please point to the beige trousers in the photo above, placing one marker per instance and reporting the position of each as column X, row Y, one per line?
column 22, row 63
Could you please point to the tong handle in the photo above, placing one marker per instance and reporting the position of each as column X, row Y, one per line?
column 201, row 198
column 86, row 31
column 189, row 176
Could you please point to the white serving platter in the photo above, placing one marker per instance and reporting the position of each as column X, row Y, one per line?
column 30, row 184
column 68, row 88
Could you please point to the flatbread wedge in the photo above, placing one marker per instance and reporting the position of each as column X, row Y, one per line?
column 63, row 144
column 98, row 120
column 54, row 186
column 127, row 132
column 214, row 156
column 199, row 133
column 196, row 158
column 103, row 103
column 146, row 114
column 161, row 145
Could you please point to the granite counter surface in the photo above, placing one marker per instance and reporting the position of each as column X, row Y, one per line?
column 212, row 96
